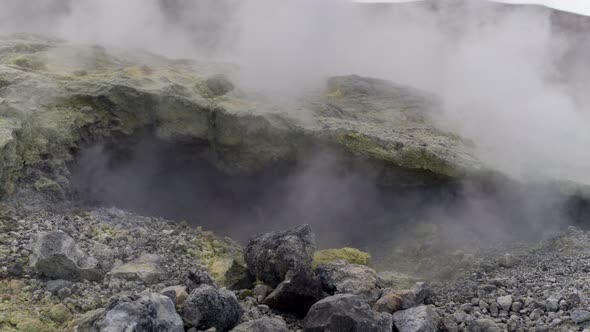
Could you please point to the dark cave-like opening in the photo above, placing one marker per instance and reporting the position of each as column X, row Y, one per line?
column 342, row 198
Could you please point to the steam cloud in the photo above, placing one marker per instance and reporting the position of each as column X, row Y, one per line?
column 510, row 81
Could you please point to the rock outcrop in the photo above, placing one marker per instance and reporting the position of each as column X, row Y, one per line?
column 55, row 97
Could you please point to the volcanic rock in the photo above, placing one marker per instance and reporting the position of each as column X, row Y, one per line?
column 395, row 300
column 153, row 312
column 272, row 255
column 264, row 324
column 340, row 277
column 296, row 294
column 417, row 319
column 345, row 312
column 483, row 325
column 145, row 268
column 56, row 255
column 208, row 307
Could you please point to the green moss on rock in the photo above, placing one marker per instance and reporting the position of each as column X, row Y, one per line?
column 351, row 255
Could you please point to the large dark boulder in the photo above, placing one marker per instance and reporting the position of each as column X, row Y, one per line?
column 345, row 312
column 296, row 294
column 340, row 277
column 56, row 255
column 149, row 313
column 208, row 307
column 271, row 256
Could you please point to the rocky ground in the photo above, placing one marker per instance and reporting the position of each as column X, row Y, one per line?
column 110, row 270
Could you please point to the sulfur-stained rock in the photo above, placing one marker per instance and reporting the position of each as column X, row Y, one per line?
column 145, row 268
column 351, row 255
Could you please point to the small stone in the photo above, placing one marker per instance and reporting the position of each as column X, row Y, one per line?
column 552, row 303
column 467, row 307
column 516, row 306
column 178, row 294
column 59, row 313
column 494, row 309
column 54, row 286
column 536, row 314
column 505, row 302
column 507, row 261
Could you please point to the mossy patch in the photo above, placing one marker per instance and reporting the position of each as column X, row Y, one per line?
column 29, row 62
column 351, row 255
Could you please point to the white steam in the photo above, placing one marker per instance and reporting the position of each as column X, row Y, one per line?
column 500, row 72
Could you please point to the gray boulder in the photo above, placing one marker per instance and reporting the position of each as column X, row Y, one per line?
column 483, row 325
column 417, row 319
column 296, row 294
column 153, row 313
column 340, row 277
column 580, row 316
column 271, row 256
column 208, row 307
column 56, row 255
column 345, row 312
column 264, row 324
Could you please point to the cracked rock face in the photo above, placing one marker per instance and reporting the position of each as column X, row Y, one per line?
column 56, row 255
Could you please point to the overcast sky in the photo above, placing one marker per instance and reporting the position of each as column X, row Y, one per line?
column 576, row 6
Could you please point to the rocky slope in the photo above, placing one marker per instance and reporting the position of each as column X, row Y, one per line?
column 110, row 270
column 55, row 98
column 69, row 268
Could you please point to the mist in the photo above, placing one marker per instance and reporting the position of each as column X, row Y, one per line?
column 510, row 82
